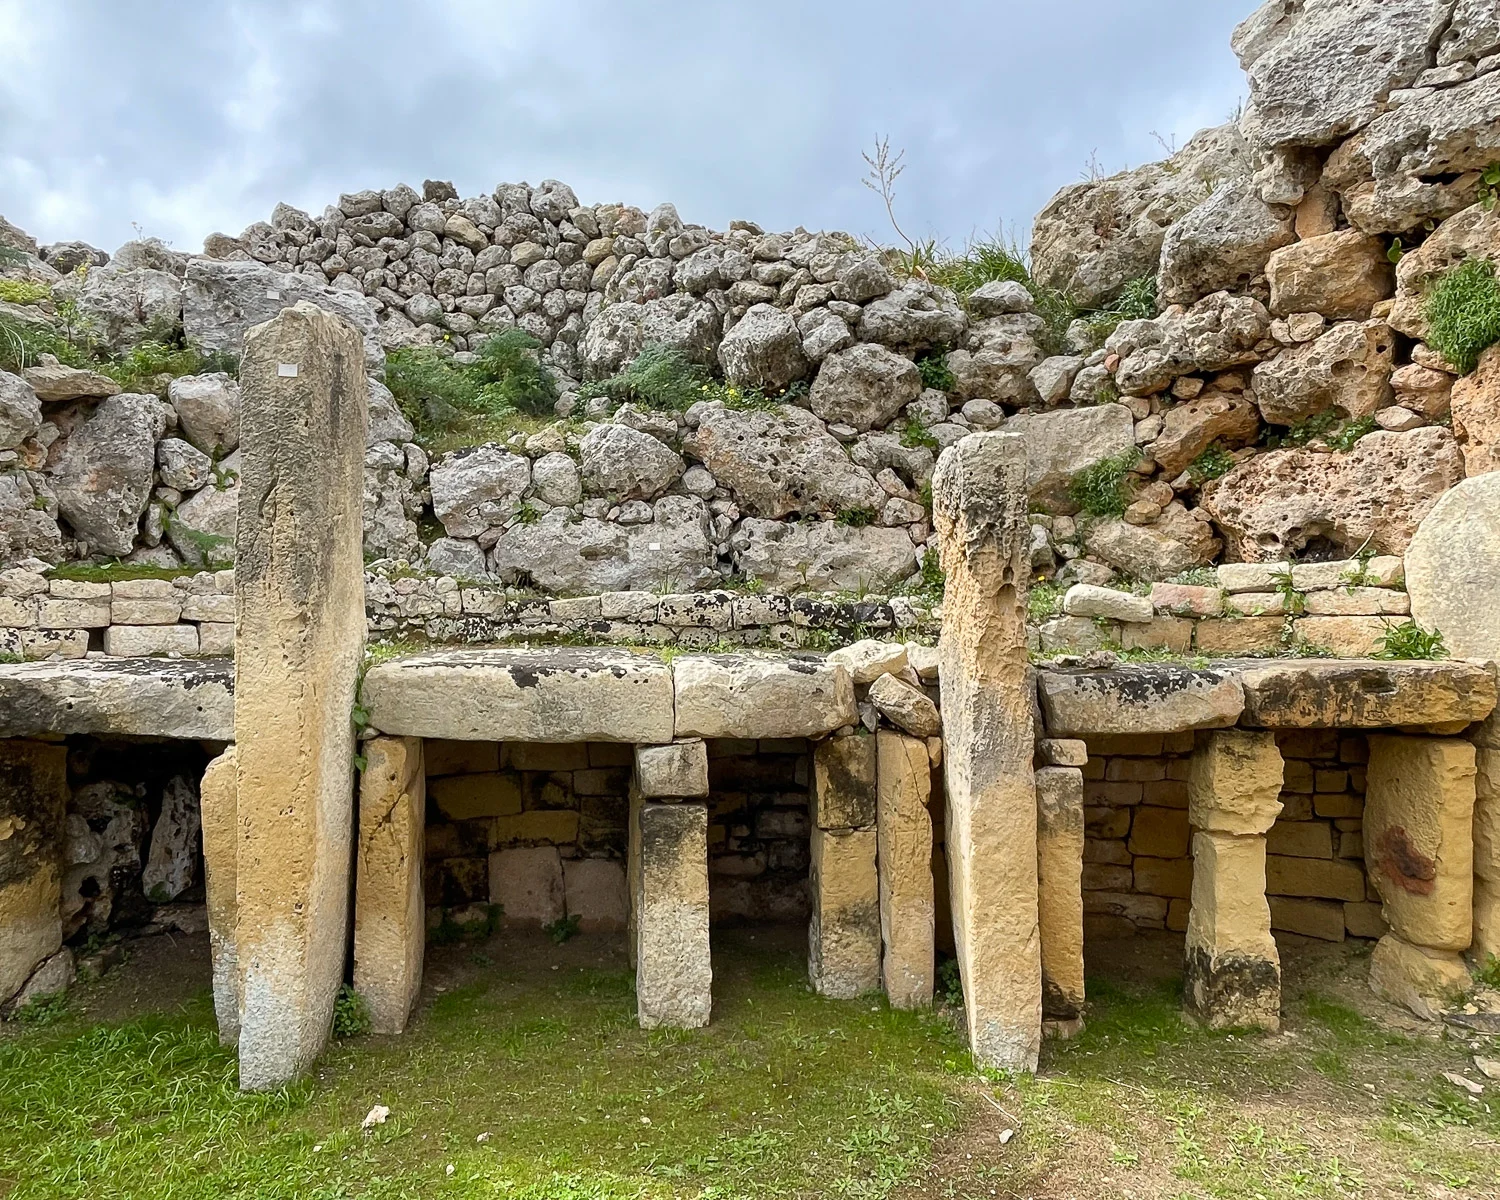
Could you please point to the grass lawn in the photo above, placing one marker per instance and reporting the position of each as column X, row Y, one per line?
column 524, row 1076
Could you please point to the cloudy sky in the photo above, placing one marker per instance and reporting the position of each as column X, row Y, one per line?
column 181, row 117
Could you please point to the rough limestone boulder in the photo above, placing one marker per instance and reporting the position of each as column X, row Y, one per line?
column 998, row 359
column 1476, row 415
column 780, row 462
column 564, row 557
column 103, row 474
column 28, row 519
column 202, row 529
column 1421, row 161
column 1473, row 233
column 1279, row 504
column 627, row 464
column 222, row 300
column 1322, row 70
column 387, row 423
column 1228, row 418
column 916, row 316
column 53, row 382
column 1177, row 541
column 621, row 331
column 208, row 411
column 822, row 556
column 763, row 350
column 1222, row 245
column 555, row 480
column 761, row 696
column 20, row 411
column 1348, row 368
column 1219, row 332
column 389, row 504
column 1059, row 444
column 476, row 488
column 1340, row 275
column 864, row 386
column 1453, row 569
column 1095, row 237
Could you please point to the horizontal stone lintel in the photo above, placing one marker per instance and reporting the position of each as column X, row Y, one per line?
column 133, row 697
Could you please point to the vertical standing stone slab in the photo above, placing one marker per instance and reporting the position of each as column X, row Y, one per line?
column 1486, row 843
column 1059, row 864
column 843, row 937
column 33, row 799
column 673, row 968
column 979, row 510
column 904, row 848
column 217, row 812
column 1419, row 837
column 389, row 926
column 843, row 782
column 1233, row 971
column 300, row 629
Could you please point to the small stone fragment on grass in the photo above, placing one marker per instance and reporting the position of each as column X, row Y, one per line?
column 1468, row 1085
column 376, row 1116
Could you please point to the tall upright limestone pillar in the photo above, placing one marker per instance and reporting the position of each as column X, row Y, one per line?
column 300, row 630
column 1486, row 843
column 1059, row 864
column 33, row 802
column 667, row 875
column 843, row 936
column 220, row 838
column 1420, row 839
column 1233, row 971
column 903, row 829
column 979, row 510
column 389, row 909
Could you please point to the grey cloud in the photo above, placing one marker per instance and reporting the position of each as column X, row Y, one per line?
column 186, row 118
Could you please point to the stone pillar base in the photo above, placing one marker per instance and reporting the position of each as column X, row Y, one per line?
column 1424, row 980
column 1232, row 971
column 217, row 812
column 389, row 911
column 904, row 846
column 669, row 909
column 843, row 941
column 1059, row 803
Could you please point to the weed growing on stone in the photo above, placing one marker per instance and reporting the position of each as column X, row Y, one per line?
column 1197, row 577
column 1293, row 600
column 1043, row 601
column 1136, row 302
column 1410, row 641
column 1344, row 440
column 23, row 291
column 990, row 260
column 935, row 373
column 1463, row 313
column 351, row 1017
column 442, row 396
column 1303, row 432
column 1106, row 488
column 857, row 518
column 115, row 571
column 916, row 434
column 142, row 367
column 659, row 377
column 1488, row 974
column 1213, row 463
column 563, row 929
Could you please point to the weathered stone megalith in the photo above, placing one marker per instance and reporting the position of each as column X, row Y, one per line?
column 300, row 630
column 843, row 936
column 389, row 908
column 33, row 799
column 903, row 831
column 979, row 510
column 669, row 913
column 676, row 771
column 1486, row 843
column 1233, row 971
column 1453, row 568
column 1059, row 863
column 220, row 835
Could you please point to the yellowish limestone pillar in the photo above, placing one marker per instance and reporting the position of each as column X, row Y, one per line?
column 300, row 630
column 33, row 803
column 1419, row 836
column 903, row 830
column 389, row 910
column 1233, row 971
column 217, row 809
column 979, row 510
column 673, row 967
column 843, row 935
column 1486, row 942
column 1059, row 832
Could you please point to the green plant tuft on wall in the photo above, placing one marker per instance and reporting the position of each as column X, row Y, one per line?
column 1106, row 488
column 1463, row 313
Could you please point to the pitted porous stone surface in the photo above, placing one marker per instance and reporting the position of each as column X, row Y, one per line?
column 1145, row 699
column 134, row 697
column 1364, row 693
column 567, row 694
column 762, row 696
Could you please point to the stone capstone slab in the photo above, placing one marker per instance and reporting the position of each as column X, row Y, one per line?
column 565, row 694
column 760, row 696
column 1364, row 693
column 130, row 697
column 1138, row 699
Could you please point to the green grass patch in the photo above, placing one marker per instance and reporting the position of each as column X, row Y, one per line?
column 1136, row 302
column 1106, row 488
column 1463, row 313
column 785, row 1094
column 478, row 401
column 1043, row 601
column 659, row 377
column 991, row 260
column 24, row 291
column 116, row 572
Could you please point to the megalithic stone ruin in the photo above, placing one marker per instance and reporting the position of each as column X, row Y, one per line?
column 299, row 591
column 979, row 508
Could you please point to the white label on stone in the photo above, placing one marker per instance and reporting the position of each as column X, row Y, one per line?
column 655, row 546
column 286, row 370
column 273, row 295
